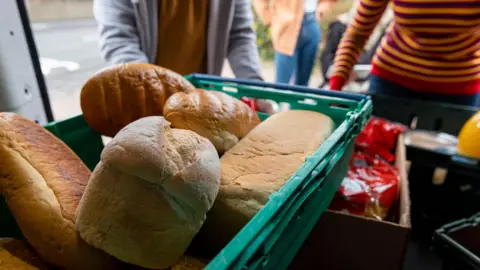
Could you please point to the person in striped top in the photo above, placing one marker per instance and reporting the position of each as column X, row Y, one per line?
column 430, row 51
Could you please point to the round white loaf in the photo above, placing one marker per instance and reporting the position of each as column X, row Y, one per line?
column 150, row 193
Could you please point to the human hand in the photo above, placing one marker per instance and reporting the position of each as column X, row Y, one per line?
column 267, row 106
column 338, row 82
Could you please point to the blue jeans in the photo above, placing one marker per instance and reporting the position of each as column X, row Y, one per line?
column 388, row 88
column 303, row 59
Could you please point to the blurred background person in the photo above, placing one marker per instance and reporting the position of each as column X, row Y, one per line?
column 431, row 51
column 186, row 36
column 337, row 28
column 295, row 35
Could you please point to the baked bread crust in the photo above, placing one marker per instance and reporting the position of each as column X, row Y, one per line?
column 42, row 181
column 222, row 119
column 150, row 193
column 17, row 255
column 259, row 165
column 121, row 94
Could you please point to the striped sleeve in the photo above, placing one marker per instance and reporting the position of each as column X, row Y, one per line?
column 367, row 16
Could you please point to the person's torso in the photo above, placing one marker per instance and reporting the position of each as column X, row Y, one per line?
column 435, row 41
column 286, row 23
column 182, row 32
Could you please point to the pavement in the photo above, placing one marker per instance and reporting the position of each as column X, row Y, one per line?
column 52, row 10
column 69, row 55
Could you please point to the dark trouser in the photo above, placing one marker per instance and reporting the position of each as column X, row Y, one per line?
column 303, row 59
column 386, row 87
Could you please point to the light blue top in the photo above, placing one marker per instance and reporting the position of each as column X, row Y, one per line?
column 310, row 6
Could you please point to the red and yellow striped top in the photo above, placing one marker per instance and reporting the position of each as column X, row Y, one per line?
column 431, row 46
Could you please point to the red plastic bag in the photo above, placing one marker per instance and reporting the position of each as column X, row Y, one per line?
column 369, row 189
column 371, row 184
column 250, row 102
column 379, row 137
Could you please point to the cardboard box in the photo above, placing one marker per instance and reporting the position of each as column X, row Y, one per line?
column 343, row 241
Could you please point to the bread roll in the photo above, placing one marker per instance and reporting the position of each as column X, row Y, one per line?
column 121, row 94
column 260, row 164
column 150, row 193
column 42, row 181
column 16, row 255
column 222, row 119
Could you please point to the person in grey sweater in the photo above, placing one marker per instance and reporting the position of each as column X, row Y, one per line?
column 187, row 36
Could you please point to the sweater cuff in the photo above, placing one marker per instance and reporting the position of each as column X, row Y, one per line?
column 337, row 83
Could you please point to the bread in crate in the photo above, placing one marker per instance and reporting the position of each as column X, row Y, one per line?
column 42, row 181
column 149, row 195
column 222, row 119
column 259, row 165
column 121, row 94
column 17, row 255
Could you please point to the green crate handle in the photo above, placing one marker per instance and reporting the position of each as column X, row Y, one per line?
column 277, row 86
column 338, row 107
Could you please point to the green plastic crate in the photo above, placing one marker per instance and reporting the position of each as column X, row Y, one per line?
column 273, row 237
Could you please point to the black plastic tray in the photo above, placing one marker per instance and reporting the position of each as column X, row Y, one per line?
column 458, row 244
column 428, row 115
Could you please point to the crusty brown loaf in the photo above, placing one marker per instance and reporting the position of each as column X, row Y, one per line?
column 222, row 119
column 42, row 181
column 150, row 193
column 121, row 94
column 257, row 166
column 17, row 255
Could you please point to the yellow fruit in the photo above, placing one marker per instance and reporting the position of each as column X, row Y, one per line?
column 469, row 137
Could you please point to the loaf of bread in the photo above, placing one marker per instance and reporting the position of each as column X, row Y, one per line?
column 121, row 94
column 150, row 193
column 222, row 119
column 17, row 255
column 260, row 164
column 42, row 181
